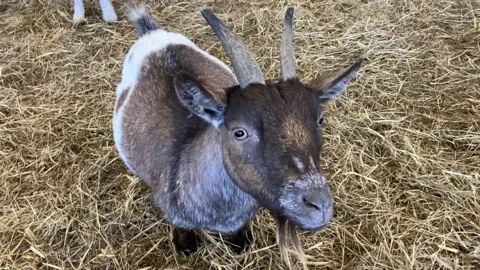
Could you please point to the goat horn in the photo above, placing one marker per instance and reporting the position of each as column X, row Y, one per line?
column 244, row 64
column 287, row 58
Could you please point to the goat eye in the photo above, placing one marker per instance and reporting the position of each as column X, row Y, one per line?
column 240, row 134
column 320, row 120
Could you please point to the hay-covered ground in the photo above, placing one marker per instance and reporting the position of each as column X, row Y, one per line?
column 402, row 146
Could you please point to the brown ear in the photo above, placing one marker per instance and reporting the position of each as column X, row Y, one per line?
column 332, row 85
column 198, row 100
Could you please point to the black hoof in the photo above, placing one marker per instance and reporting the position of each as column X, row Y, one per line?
column 185, row 241
column 240, row 241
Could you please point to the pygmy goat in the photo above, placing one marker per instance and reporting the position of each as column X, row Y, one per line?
column 215, row 146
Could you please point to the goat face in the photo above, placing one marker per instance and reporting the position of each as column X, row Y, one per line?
column 271, row 147
column 271, row 141
column 270, row 135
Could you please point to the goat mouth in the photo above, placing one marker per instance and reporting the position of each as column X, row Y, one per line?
column 310, row 220
column 308, row 226
column 311, row 229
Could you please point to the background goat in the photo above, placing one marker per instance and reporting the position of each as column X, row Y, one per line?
column 108, row 12
column 213, row 146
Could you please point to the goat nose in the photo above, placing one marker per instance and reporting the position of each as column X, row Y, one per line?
column 317, row 200
column 314, row 205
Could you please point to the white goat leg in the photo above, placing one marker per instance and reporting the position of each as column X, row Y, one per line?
column 78, row 11
column 108, row 11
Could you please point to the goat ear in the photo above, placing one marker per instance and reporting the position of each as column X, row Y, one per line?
column 331, row 86
column 198, row 100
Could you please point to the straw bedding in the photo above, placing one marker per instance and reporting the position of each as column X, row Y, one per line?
column 401, row 149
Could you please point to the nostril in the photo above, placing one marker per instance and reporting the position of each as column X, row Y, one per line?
column 312, row 205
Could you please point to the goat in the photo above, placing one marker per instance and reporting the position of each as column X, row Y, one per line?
column 108, row 12
column 215, row 145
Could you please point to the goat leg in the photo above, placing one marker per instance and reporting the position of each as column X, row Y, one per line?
column 185, row 241
column 239, row 241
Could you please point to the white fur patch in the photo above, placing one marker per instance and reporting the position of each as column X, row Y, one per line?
column 299, row 164
column 312, row 164
column 324, row 180
column 137, row 13
column 118, row 134
column 308, row 181
column 216, row 123
column 118, row 131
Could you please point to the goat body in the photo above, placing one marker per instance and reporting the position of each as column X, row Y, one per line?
column 213, row 145
column 177, row 154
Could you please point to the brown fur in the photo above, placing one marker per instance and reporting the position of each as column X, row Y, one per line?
column 294, row 133
column 150, row 112
column 214, row 79
column 321, row 82
column 241, row 169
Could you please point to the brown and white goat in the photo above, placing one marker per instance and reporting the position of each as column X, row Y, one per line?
column 214, row 146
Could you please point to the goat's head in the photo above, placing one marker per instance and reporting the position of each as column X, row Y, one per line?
column 270, row 134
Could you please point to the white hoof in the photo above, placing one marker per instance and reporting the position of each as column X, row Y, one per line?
column 110, row 16
column 78, row 17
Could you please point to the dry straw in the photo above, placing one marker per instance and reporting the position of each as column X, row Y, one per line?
column 402, row 146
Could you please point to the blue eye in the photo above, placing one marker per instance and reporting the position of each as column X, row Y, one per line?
column 240, row 133
column 320, row 121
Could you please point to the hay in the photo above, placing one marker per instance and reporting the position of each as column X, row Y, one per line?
column 402, row 146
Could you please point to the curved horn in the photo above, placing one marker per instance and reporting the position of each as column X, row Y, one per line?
column 244, row 64
column 287, row 58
